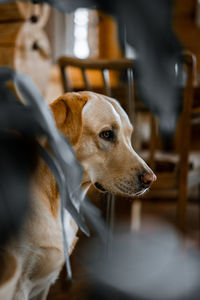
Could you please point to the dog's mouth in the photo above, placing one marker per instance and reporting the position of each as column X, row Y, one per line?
column 141, row 192
column 130, row 190
column 99, row 187
column 123, row 190
column 131, row 193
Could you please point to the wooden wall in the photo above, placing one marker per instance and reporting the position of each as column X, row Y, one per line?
column 108, row 37
column 185, row 25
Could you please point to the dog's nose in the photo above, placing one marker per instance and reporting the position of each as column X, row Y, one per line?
column 147, row 179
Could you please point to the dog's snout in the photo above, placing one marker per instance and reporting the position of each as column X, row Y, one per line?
column 147, row 178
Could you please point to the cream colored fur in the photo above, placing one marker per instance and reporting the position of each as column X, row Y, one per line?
column 38, row 251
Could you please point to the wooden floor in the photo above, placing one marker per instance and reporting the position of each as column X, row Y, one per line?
column 152, row 212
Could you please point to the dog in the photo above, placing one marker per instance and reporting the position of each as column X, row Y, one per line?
column 100, row 133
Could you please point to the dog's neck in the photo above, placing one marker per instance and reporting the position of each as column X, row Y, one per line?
column 48, row 186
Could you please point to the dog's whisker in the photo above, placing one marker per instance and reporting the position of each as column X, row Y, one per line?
column 125, row 189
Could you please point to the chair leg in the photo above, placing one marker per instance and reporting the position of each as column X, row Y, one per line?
column 182, row 208
column 152, row 148
column 110, row 220
column 136, row 215
column 199, row 210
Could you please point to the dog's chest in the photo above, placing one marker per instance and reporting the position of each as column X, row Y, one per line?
column 41, row 252
column 47, row 258
column 46, row 266
column 40, row 249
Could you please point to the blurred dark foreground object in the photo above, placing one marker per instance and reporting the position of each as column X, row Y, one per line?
column 151, row 265
column 18, row 158
column 20, row 126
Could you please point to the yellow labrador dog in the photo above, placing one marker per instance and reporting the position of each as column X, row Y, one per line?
column 100, row 132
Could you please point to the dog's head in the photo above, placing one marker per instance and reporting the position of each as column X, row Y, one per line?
column 100, row 132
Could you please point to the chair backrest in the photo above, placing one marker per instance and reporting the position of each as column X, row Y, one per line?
column 116, row 78
column 182, row 137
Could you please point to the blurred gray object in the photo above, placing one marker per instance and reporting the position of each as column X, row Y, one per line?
column 152, row 266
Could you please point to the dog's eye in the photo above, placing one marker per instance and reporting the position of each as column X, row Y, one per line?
column 107, row 135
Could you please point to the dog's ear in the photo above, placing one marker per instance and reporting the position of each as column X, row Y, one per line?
column 67, row 111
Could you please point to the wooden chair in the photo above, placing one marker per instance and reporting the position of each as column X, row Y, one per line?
column 111, row 77
column 173, row 181
column 176, row 171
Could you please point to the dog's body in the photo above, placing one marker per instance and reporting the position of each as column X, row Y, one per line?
column 100, row 133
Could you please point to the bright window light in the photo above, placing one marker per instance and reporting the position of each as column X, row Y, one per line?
column 81, row 50
column 81, row 20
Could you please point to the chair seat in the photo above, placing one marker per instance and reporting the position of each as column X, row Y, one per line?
column 166, row 170
column 162, row 157
column 194, row 159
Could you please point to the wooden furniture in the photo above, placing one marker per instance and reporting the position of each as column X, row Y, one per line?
column 108, row 44
column 186, row 25
column 176, row 170
column 113, row 78
column 110, row 77
column 24, row 11
column 24, row 45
